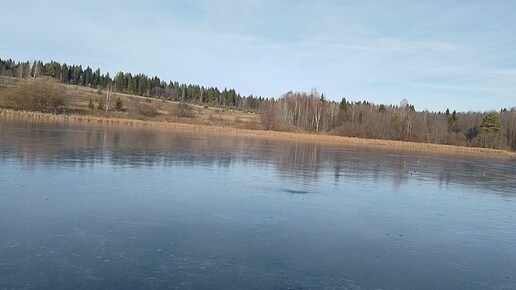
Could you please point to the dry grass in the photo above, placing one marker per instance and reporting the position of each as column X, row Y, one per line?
column 47, row 117
column 173, row 115
column 149, row 109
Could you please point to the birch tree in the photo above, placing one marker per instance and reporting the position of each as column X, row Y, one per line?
column 109, row 95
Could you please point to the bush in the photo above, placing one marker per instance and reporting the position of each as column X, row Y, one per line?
column 38, row 94
column 268, row 115
column 100, row 105
column 118, row 104
column 147, row 110
column 184, row 111
column 3, row 84
column 91, row 106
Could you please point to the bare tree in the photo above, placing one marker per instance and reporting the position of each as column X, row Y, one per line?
column 268, row 115
column 37, row 69
column 109, row 94
column 318, row 108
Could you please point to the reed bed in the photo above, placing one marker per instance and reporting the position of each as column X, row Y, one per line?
column 48, row 117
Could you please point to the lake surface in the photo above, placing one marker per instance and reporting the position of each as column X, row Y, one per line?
column 89, row 207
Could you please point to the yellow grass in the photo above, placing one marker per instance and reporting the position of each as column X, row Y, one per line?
column 77, row 99
column 46, row 117
column 208, row 119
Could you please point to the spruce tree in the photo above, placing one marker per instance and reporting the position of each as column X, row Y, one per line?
column 490, row 128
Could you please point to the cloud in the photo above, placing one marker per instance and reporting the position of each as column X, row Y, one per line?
column 458, row 52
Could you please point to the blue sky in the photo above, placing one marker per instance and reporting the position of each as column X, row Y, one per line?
column 437, row 54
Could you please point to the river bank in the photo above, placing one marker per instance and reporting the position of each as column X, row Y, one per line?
column 391, row 144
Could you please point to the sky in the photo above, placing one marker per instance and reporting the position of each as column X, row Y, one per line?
column 436, row 54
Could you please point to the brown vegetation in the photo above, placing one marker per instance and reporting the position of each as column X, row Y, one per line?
column 147, row 110
column 295, row 112
column 184, row 110
column 35, row 94
column 89, row 101
column 46, row 117
column 311, row 112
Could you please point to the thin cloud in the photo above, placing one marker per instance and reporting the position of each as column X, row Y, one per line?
column 459, row 52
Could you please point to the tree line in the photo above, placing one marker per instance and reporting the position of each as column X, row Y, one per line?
column 137, row 84
column 301, row 111
column 311, row 111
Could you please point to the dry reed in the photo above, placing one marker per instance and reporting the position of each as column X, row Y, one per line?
column 48, row 117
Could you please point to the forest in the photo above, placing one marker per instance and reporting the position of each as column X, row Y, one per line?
column 300, row 111
column 137, row 84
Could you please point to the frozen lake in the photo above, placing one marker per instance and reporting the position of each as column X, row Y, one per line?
column 84, row 206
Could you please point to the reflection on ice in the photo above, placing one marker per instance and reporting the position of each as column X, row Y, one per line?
column 86, row 206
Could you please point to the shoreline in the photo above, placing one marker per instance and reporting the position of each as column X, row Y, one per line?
column 310, row 137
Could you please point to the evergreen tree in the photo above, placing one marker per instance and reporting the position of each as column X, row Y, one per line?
column 105, row 80
column 76, row 74
column 88, row 74
column 95, row 79
column 119, row 82
column 382, row 108
column 53, row 69
column 132, row 86
column 142, row 85
column 65, row 74
column 490, row 128
column 118, row 104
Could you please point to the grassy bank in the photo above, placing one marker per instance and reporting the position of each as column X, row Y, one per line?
column 151, row 112
column 47, row 117
column 77, row 100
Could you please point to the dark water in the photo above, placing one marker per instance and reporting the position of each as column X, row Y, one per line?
column 89, row 207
